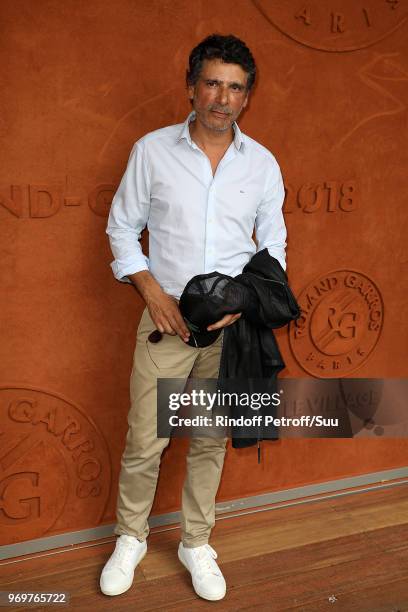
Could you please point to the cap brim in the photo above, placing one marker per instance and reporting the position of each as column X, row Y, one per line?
column 202, row 339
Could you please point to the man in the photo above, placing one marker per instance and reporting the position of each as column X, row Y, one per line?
column 200, row 187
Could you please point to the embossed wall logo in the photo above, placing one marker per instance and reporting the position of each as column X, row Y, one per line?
column 334, row 25
column 340, row 323
column 55, row 465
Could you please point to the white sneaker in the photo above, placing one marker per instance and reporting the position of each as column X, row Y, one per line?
column 117, row 575
column 208, row 581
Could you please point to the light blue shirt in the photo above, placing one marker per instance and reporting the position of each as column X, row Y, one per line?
column 197, row 222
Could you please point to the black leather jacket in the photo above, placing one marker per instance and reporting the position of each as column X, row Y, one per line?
column 250, row 350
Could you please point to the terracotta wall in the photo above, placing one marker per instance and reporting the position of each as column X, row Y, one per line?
column 82, row 82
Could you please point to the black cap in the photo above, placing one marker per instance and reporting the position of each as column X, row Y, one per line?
column 205, row 300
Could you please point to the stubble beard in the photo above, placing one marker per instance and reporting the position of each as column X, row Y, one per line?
column 215, row 127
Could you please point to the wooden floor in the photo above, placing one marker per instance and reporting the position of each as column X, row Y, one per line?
column 348, row 554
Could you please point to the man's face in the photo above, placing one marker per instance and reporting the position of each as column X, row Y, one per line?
column 219, row 94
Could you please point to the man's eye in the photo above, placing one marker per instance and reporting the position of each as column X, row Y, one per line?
column 212, row 83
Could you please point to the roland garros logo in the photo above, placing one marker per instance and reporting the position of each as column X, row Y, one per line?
column 340, row 323
column 334, row 25
column 55, row 465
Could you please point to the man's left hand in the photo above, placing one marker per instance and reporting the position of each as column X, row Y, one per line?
column 228, row 319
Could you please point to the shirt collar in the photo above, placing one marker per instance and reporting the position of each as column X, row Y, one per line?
column 185, row 133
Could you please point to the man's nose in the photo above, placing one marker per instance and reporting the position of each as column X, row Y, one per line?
column 222, row 97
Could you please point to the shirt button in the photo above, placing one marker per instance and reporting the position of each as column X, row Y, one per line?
column 210, row 220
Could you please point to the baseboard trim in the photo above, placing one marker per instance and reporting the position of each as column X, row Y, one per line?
column 225, row 509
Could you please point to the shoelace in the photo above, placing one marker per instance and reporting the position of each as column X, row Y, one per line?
column 204, row 559
column 123, row 552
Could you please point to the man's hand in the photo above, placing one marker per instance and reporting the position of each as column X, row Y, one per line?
column 228, row 319
column 163, row 308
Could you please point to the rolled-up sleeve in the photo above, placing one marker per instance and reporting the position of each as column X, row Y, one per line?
column 270, row 226
column 128, row 217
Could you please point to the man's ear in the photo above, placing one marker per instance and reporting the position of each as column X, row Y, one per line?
column 190, row 90
column 246, row 100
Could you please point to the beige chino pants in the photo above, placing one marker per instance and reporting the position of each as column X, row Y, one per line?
column 169, row 358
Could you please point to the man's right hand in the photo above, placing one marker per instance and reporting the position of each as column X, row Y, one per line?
column 163, row 308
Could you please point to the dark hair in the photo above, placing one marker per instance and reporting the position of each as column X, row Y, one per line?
column 229, row 49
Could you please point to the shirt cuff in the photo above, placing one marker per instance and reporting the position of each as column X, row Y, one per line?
column 121, row 272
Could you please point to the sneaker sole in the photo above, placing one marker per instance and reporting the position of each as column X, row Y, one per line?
column 123, row 590
column 203, row 595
